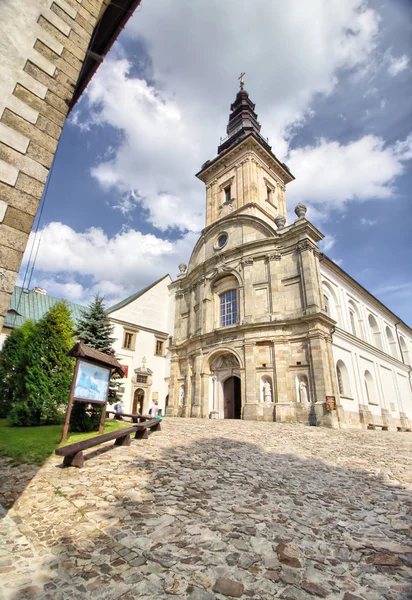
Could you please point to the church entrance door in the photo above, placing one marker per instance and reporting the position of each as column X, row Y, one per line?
column 138, row 399
column 232, row 398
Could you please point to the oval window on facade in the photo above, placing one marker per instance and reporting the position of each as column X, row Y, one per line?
column 221, row 241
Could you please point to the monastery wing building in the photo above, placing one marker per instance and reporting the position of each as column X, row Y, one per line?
column 267, row 327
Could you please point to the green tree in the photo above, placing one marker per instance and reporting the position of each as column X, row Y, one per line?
column 47, row 371
column 12, row 356
column 95, row 331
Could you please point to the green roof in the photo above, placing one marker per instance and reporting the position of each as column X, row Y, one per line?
column 134, row 296
column 28, row 304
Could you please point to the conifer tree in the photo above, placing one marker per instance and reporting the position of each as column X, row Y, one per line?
column 12, row 357
column 94, row 329
column 47, row 370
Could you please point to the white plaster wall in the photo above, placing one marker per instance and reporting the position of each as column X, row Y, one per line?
column 390, row 378
column 366, row 305
column 145, row 348
column 150, row 310
column 153, row 310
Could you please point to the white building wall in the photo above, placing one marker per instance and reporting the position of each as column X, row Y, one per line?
column 391, row 377
column 149, row 318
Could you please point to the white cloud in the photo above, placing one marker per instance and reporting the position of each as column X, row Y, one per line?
column 327, row 243
column 368, row 222
column 172, row 126
column 397, row 64
column 114, row 267
column 331, row 174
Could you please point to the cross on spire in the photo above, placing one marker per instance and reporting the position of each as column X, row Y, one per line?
column 242, row 83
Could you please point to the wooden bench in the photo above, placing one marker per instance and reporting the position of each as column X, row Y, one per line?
column 73, row 453
column 136, row 418
column 373, row 426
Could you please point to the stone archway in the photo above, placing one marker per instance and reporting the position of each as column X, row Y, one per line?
column 225, row 398
column 138, row 400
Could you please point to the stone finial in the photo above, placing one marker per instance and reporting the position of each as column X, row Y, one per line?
column 182, row 269
column 280, row 221
column 301, row 210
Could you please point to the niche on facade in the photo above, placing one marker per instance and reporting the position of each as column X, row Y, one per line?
column 302, row 391
column 266, row 389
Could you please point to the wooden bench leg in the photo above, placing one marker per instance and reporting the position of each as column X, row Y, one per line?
column 141, row 434
column 123, row 441
column 156, row 427
column 74, row 460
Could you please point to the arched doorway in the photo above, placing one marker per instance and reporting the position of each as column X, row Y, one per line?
column 138, row 400
column 225, row 392
column 232, row 398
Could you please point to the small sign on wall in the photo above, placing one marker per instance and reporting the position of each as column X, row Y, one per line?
column 330, row 403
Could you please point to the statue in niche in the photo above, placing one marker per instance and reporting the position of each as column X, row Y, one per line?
column 267, row 392
column 182, row 395
column 303, row 393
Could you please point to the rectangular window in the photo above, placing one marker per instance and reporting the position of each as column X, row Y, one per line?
column 228, row 194
column 159, row 348
column 128, row 340
column 228, row 308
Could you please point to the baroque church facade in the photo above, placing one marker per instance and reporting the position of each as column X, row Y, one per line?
column 266, row 326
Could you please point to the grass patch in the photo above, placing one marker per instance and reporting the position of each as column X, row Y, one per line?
column 32, row 445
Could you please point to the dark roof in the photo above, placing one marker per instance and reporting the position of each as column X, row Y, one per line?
column 243, row 124
column 80, row 350
column 134, row 296
column 31, row 305
column 105, row 33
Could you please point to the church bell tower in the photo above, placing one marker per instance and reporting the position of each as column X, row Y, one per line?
column 251, row 338
column 246, row 176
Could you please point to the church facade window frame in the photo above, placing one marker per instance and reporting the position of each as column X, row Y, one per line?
column 229, row 308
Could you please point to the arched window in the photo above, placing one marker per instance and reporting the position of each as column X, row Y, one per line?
column 405, row 351
column 376, row 334
column 352, row 320
column 228, row 308
column 330, row 303
column 226, row 301
column 370, row 388
column 391, row 341
column 343, row 378
column 355, row 321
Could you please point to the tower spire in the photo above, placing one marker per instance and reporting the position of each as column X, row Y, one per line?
column 242, row 120
column 242, row 82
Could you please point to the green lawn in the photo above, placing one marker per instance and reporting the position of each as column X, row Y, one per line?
column 32, row 445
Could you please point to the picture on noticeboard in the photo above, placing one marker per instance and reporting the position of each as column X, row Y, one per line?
column 91, row 382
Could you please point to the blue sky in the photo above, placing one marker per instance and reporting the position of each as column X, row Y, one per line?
column 332, row 85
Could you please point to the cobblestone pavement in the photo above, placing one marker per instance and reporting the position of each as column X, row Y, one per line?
column 215, row 509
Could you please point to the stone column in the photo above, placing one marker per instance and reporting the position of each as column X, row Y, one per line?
column 285, row 409
column 239, row 185
column 197, row 377
column 309, row 276
column 250, row 396
column 174, row 389
column 248, row 289
column 322, row 384
column 275, row 286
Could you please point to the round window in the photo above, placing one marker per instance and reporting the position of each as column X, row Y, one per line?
column 221, row 240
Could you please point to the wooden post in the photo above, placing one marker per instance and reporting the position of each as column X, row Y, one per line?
column 70, row 404
column 103, row 418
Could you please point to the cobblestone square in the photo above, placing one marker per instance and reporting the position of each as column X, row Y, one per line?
column 210, row 509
